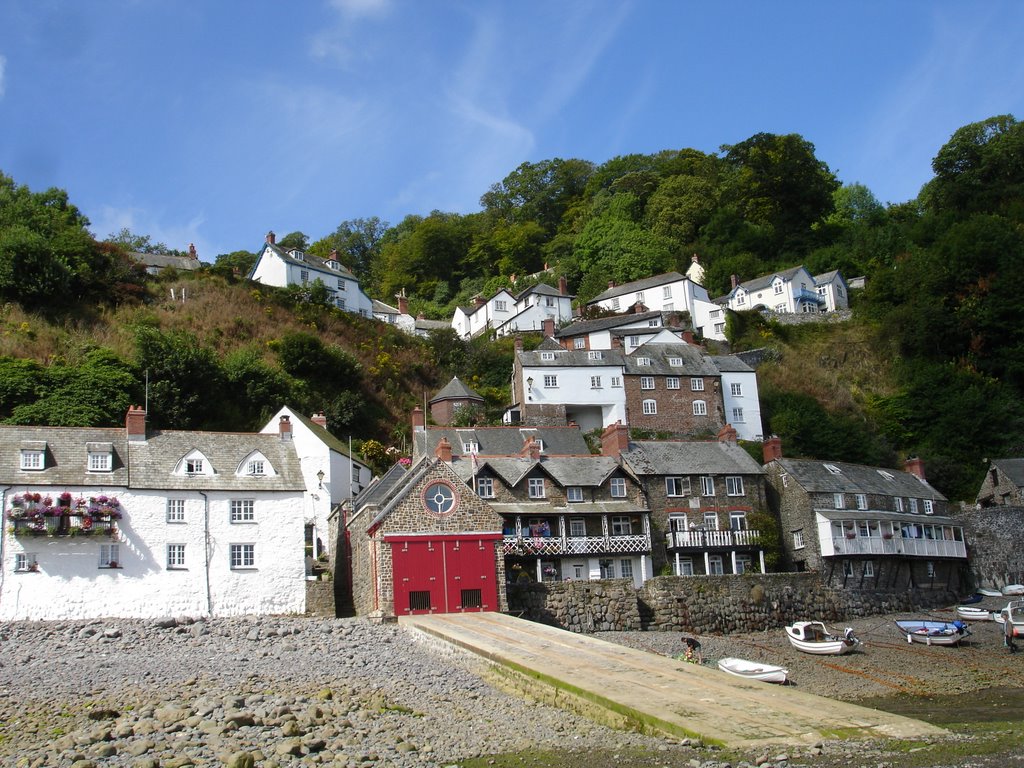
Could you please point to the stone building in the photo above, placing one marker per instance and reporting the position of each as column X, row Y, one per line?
column 454, row 396
column 1003, row 484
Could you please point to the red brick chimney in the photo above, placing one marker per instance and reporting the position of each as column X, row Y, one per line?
column 772, row 448
column 563, row 286
column 418, row 419
column 479, row 301
column 444, row 450
column 403, row 303
column 727, row 434
column 616, row 342
column 531, row 448
column 688, row 337
column 135, row 424
column 320, row 419
column 735, row 280
column 611, row 283
column 915, row 466
column 284, row 428
column 549, row 327
column 615, row 439
column 192, row 252
column 334, row 255
column 271, row 238
column 517, row 343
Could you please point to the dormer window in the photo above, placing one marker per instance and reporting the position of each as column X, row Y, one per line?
column 193, row 466
column 100, row 457
column 298, row 255
column 195, row 463
column 594, row 355
column 833, row 469
column 470, row 446
column 255, row 467
column 33, row 457
column 643, row 361
column 547, row 355
column 675, row 362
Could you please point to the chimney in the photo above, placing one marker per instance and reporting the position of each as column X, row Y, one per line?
column 727, row 434
column 517, row 343
column 334, row 255
column 695, row 259
column 915, row 466
column 639, row 309
column 772, row 448
column 444, row 450
column 735, row 279
column 573, row 425
column 615, row 439
column 271, row 238
column 403, row 303
column 192, row 253
column 320, row 419
column 563, row 286
column 549, row 327
column 616, row 342
column 479, row 301
column 688, row 337
column 135, row 424
column 418, row 419
column 611, row 283
column 285, row 428
column 531, row 448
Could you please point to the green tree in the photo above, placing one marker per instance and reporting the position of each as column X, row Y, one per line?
column 540, row 192
column 134, row 243
column 234, row 264
column 357, row 242
column 187, row 386
column 293, row 240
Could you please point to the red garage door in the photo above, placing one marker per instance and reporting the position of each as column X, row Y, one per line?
column 447, row 574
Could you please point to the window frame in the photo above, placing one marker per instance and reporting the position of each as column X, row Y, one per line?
column 696, row 384
column 176, row 557
column 33, row 460
column 650, row 407
column 574, row 494
column 242, row 511
column 617, row 488
column 550, row 381
column 99, row 461
column 110, row 556
column 242, row 556
column 621, row 525
column 733, row 485
column 677, row 486
column 175, row 511
column 485, row 484
column 647, row 382
column 707, row 485
column 671, row 382
column 536, row 488
column 700, row 408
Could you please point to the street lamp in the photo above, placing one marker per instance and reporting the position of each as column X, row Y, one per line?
column 320, row 478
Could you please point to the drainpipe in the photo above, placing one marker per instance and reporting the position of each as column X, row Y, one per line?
column 206, row 550
column 3, row 536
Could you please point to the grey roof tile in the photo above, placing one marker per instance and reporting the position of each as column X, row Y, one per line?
column 638, row 285
column 677, row 457
column 814, row 476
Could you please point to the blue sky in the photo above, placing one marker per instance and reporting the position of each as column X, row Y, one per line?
column 212, row 122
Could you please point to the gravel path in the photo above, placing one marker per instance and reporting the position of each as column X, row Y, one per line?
column 344, row 692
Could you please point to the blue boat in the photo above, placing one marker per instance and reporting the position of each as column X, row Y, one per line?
column 933, row 632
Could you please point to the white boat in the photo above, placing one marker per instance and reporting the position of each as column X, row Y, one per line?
column 1013, row 589
column 933, row 632
column 973, row 613
column 753, row 670
column 1014, row 613
column 815, row 637
column 990, row 592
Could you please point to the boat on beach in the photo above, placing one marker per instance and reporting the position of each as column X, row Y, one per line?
column 990, row 592
column 933, row 632
column 753, row 670
column 977, row 597
column 815, row 637
column 1014, row 613
column 972, row 613
column 1013, row 589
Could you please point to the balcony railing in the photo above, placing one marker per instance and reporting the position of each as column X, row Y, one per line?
column 63, row 525
column 576, row 545
column 871, row 545
column 712, row 539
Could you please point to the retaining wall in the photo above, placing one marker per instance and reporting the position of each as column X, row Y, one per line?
column 995, row 544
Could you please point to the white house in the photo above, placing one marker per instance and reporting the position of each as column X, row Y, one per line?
column 117, row 522
column 792, row 291
column 400, row 318
column 329, row 471
column 833, row 289
column 740, row 393
column 504, row 313
column 275, row 266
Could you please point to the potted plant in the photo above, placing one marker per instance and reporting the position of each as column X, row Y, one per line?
column 112, row 564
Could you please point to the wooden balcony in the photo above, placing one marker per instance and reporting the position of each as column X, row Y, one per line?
column 876, row 545
column 555, row 546
column 711, row 540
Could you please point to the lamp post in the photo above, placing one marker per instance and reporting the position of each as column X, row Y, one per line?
column 320, row 478
column 529, row 388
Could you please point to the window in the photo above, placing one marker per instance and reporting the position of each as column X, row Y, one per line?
column 862, row 501
column 109, row 555
column 547, row 355
column 626, row 568
column 736, row 389
column 929, row 507
column 833, row 469
column 734, row 485
column 341, row 284
column 798, row 539
column 550, row 380
column 577, row 527
column 715, row 565
column 579, row 343
column 650, row 407
column 653, row 322
column 633, row 341
column 715, row 314
column 838, row 501
column 929, row 569
column 677, row 486
column 100, row 461
column 778, row 288
column 193, row 466
column 439, row 499
column 696, row 385
column 615, row 304
column 470, row 446
column 243, row 556
column 595, row 382
column 303, row 276
column 707, row 486
column 738, row 520
column 711, row 521
column 536, row 487
column 741, row 299
column 847, row 568
column 666, row 292
column 594, row 355
column 607, row 569
column 675, row 362
column 780, row 307
column 744, row 564
column 646, row 382
column 671, row 382
column 643, row 361
column 913, row 506
column 25, row 561
column 616, row 381
column 897, row 504
column 621, row 526
column 618, row 487
column 32, row 459
column 499, row 306
column 737, row 415
column 719, row 328
column 700, row 408
column 255, row 467
column 175, row 510
column 686, row 566
column 175, row 556
column 574, row 493
column 640, row 296
column 242, row 511
column 485, row 487
column 340, row 303
column 869, row 569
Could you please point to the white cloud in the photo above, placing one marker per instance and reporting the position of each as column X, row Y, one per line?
column 357, row 8
column 336, row 42
column 3, row 72
column 177, row 236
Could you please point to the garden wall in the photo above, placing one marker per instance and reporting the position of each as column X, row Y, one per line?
column 995, row 544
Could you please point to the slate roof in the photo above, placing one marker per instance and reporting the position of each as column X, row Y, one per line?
column 1012, row 468
column 581, row 327
column 543, row 289
column 676, row 457
column 502, row 441
column 422, row 324
column 585, row 471
column 765, row 281
column 307, row 258
column 332, row 442
column 638, row 285
column 696, row 362
column 731, row 364
column 164, row 260
column 813, row 477
column 570, row 357
column 66, row 456
column 545, row 507
column 380, row 308
column 827, row 277
column 456, row 390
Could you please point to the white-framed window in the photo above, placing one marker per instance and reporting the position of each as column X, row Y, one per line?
column 595, row 382
column 193, row 466
column 341, row 284
column 632, row 341
column 737, row 520
column 671, row 382
column 862, row 501
column 607, row 568
column 626, row 568
column 696, row 384
column 621, row 526
column 736, row 389
column 616, row 381
column 913, row 506
column 778, row 288
column 339, row 303
column 470, row 446
column 577, row 527
column 666, row 292
column 780, row 307
column 615, row 303
column 175, row 556
column 574, row 493
column 25, row 562
column 653, row 322
column 110, row 555
column 550, row 380
column 744, row 564
column 303, row 276
column 485, row 487
column 547, row 355
column 798, row 539
column 100, row 461
column 255, row 467
column 929, row 507
column 897, row 503
column 707, row 485
column 675, row 362
column 242, row 556
column 700, row 408
column 500, row 306
column 594, row 354
column 243, row 511
column 711, row 521
column 32, row 459
column 579, row 343
column 618, row 487
column 685, row 566
column 719, row 328
column 175, row 510
column 646, row 382
column 869, row 569
column 734, row 485
column 839, row 501
column 639, row 297
column 650, row 407
column 741, row 299
column 535, row 487
column 715, row 566
column 677, row 486
column 643, row 361
column 737, row 415
column 848, row 568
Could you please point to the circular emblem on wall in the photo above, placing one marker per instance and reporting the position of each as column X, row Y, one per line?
column 439, row 499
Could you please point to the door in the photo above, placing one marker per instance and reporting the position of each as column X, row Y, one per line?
column 449, row 574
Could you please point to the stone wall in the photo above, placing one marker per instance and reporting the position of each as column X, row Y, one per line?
column 708, row 604
column 320, row 599
column 995, row 544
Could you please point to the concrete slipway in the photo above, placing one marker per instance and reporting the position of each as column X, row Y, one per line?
column 636, row 689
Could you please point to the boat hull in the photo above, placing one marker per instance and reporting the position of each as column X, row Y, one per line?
column 933, row 632
column 752, row 670
column 814, row 637
column 969, row 613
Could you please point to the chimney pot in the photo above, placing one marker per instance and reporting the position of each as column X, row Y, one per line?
column 563, row 286
column 915, row 466
column 611, row 283
column 735, row 280
column 688, row 337
column 320, row 418
column 517, row 344
column 271, row 237
column 403, row 304
column 285, row 428
column 135, row 424
column 418, row 419
column 727, row 434
column 192, row 253
column 615, row 439
column 549, row 327
column 444, row 450
column 334, row 254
